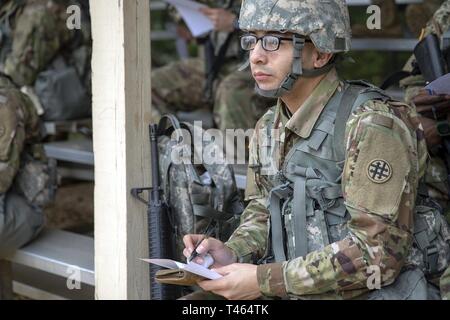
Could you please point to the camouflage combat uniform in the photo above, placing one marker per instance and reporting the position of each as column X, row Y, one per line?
column 178, row 86
column 380, row 222
column 32, row 34
column 20, row 220
column 438, row 25
column 436, row 177
column 37, row 50
column 30, row 49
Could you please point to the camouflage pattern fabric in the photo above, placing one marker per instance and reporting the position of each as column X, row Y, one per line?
column 20, row 220
column 381, row 224
column 197, row 193
column 445, row 285
column 438, row 24
column 34, row 47
column 178, row 86
column 436, row 177
column 19, row 126
column 236, row 104
column 326, row 23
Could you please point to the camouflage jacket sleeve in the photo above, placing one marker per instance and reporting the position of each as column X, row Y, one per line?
column 19, row 124
column 249, row 240
column 379, row 184
column 39, row 33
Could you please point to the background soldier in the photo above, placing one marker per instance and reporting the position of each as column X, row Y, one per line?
column 44, row 58
column 340, row 206
column 179, row 86
column 25, row 181
column 45, row 70
column 437, row 172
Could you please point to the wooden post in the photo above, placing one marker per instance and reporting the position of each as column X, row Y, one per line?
column 6, row 292
column 121, row 113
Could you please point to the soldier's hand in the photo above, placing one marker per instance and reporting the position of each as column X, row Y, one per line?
column 432, row 136
column 425, row 102
column 184, row 33
column 221, row 254
column 222, row 19
column 239, row 282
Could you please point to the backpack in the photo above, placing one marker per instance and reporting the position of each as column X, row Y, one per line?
column 197, row 195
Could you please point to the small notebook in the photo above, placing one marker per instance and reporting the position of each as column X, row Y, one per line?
column 191, row 267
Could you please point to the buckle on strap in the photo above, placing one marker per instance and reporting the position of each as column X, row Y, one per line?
column 283, row 191
column 318, row 194
column 430, row 257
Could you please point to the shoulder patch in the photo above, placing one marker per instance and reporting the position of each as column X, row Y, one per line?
column 379, row 171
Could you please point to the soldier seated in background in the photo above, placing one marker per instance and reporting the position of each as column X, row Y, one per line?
column 437, row 179
column 27, row 180
column 333, row 175
column 179, row 86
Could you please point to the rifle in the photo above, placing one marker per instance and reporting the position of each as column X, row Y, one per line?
column 430, row 58
column 213, row 62
column 159, row 228
column 433, row 60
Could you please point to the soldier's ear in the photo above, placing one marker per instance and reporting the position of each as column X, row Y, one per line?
column 321, row 58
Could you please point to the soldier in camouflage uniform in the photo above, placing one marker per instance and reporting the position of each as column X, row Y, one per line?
column 32, row 34
column 437, row 174
column 35, row 42
column 178, row 86
column 20, row 219
column 24, row 53
column 333, row 174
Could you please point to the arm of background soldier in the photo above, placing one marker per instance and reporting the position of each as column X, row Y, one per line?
column 19, row 123
column 381, row 215
column 40, row 32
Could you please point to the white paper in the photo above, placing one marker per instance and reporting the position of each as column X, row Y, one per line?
column 440, row 85
column 191, row 267
column 197, row 22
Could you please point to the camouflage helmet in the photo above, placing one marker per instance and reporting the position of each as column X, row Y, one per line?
column 325, row 22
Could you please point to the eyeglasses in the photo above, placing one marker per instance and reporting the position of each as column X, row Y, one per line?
column 269, row 42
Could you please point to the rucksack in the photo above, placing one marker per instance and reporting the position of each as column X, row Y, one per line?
column 197, row 195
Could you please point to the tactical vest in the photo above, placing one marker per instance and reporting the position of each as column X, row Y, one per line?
column 306, row 203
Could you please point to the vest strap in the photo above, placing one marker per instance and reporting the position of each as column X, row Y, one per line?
column 299, row 208
column 276, row 195
column 355, row 95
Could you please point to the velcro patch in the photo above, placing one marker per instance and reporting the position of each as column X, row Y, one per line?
column 378, row 172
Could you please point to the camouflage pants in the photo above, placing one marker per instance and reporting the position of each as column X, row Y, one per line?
column 19, row 223
column 39, row 32
column 445, row 285
column 178, row 86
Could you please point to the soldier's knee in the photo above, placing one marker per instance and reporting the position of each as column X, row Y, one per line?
column 19, row 223
column 8, row 125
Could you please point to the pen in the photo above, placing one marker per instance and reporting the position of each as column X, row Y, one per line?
column 209, row 231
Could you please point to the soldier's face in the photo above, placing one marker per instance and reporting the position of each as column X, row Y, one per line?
column 269, row 68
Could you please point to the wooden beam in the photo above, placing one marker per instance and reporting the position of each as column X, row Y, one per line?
column 6, row 292
column 121, row 113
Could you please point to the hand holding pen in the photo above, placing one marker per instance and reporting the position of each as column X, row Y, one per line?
column 199, row 245
column 209, row 231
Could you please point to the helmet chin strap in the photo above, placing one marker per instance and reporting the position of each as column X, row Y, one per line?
column 297, row 71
